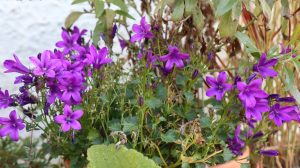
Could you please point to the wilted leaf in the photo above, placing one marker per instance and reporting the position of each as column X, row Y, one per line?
column 224, row 6
column 227, row 26
column 73, row 16
column 178, row 10
column 100, row 156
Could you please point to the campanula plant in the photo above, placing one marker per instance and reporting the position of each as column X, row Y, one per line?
column 181, row 91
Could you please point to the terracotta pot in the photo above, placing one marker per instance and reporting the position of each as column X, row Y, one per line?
column 67, row 163
column 237, row 162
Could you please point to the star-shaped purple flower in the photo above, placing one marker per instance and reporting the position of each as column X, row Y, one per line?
column 98, row 57
column 249, row 92
column 141, row 31
column 174, row 57
column 71, row 86
column 218, row 86
column 280, row 114
column 11, row 126
column 15, row 66
column 69, row 42
column 256, row 111
column 264, row 66
column 5, row 99
column 69, row 119
column 44, row 65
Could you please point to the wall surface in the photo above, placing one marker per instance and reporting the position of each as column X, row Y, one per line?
column 28, row 27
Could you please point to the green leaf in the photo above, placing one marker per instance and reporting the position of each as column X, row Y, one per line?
column 189, row 96
column 120, row 4
column 190, row 6
column 227, row 26
column 198, row 19
column 153, row 103
column 161, row 92
column 245, row 165
column 72, row 17
column 130, row 124
column 93, row 134
column 225, row 6
column 96, row 33
column 170, row 136
column 126, row 14
column 99, row 8
column 178, row 10
column 204, row 122
column 78, row 1
column 227, row 154
column 244, row 39
column 181, row 79
column 114, row 125
column 100, row 156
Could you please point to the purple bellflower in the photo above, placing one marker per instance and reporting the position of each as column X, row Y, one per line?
column 236, row 144
column 11, row 126
column 98, row 58
column 69, row 119
column 249, row 92
column 218, row 86
column 15, row 66
column 5, row 99
column 174, row 57
column 264, row 66
column 269, row 152
column 69, row 42
column 280, row 114
column 45, row 65
column 141, row 31
column 256, row 111
column 71, row 86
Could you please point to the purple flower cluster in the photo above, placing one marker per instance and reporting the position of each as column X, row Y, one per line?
column 61, row 74
column 255, row 101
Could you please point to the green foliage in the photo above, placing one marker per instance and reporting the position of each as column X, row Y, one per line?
column 108, row 156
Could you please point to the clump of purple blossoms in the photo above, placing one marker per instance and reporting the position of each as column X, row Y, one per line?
column 255, row 112
column 11, row 126
column 142, row 31
column 69, row 119
column 264, row 66
column 218, row 86
column 174, row 58
column 236, row 144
